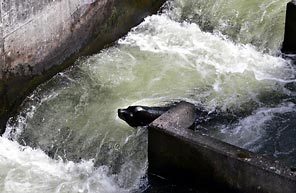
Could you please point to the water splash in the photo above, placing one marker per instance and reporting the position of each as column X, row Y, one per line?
column 32, row 171
column 260, row 23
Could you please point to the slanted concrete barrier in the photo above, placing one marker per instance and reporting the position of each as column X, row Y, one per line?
column 289, row 45
column 188, row 157
column 39, row 38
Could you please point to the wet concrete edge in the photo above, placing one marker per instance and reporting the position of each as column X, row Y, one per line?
column 187, row 157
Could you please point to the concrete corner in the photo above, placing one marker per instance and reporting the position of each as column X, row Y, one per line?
column 188, row 157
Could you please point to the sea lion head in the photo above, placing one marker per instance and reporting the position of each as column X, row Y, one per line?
column 138, row 115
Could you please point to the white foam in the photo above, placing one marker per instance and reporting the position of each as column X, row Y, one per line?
column 160, row 34
column 32, row 171
column 230, row 69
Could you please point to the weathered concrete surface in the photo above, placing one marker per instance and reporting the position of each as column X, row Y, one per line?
column 187, row 157
column 289, row 45
column 37, row 36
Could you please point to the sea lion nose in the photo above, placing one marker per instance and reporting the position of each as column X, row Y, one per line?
column 121, row 113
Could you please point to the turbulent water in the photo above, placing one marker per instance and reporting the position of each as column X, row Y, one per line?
column 253, row 21
column 221, row 55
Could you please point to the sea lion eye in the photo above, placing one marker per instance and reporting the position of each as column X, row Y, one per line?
column 131, row 114
column 139, row 109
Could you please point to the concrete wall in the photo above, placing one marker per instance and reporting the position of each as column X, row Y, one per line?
column 38, row 38
column 289, row 44
column 187, row 157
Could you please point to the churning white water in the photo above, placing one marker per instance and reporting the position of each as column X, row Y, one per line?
column 216, row 54
column 26, row 170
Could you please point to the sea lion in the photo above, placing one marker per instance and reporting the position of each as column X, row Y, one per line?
column 141, row 115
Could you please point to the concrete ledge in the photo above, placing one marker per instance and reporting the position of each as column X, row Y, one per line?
column 188, row 157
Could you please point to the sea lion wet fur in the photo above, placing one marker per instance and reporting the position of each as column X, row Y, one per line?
column 142, row 115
